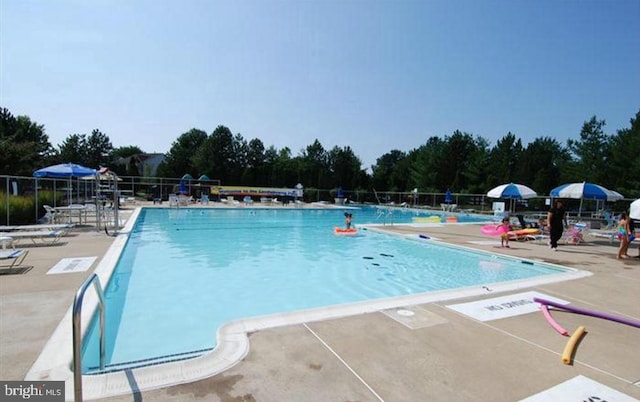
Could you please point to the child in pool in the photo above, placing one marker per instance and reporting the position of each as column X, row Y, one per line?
column 348, row 217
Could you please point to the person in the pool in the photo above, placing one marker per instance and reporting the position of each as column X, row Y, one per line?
column 348, row 217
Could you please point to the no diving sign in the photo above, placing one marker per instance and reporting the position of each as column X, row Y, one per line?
column 504, row 306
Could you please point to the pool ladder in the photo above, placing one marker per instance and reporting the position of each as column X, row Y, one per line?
column 77, row 332
column 387, row 214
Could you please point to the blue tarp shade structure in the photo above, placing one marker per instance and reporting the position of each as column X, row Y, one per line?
column 447, row 197
column 340, row 193
column 183, row 187
column 204, row 177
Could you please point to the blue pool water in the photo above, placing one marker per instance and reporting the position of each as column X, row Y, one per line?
column 185, row 272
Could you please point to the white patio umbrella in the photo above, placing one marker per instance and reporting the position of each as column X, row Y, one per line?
column 585, row 191
column 512, row 191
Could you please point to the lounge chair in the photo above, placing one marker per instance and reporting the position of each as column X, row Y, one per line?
column 173, row 200
column 43, row 226
column 610, row 220
column 51, row 215
column 45, row 236
column 15, row 257
column 604, row 234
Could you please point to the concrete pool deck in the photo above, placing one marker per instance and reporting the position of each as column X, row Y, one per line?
column 435, row 354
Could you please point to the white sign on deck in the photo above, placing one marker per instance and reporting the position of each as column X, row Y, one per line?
column 580, row 389
column 504, row 306
column 70, row 265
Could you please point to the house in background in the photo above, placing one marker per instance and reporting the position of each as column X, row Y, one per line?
column 141, row 164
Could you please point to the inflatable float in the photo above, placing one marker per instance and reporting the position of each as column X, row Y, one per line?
column 345, row 232
column 524, row 232
column 493, row 230
column 427, row 219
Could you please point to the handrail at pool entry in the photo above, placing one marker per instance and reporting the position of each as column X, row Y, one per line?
column 77, row 332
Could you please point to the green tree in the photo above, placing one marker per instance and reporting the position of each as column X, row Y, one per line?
column 541, row 164
column 125, row 152
column 215, row 156
column 315, row 166
column 625, row 159
column 99, row 148
column 504, row 158
column 426, row 171
column 73, row 149
column 592, row 152
column 455, row 161
column 182, row 155
column 255, row 170
column 476, row 168
column 345, row 168
column 239, row 162
column 24, row 144
column 386, row 174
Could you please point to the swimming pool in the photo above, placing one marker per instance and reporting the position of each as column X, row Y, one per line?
column 185, row 272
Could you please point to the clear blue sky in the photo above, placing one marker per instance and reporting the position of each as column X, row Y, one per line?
column 375, row 75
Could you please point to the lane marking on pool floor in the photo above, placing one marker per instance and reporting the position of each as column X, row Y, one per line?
column 344, row 363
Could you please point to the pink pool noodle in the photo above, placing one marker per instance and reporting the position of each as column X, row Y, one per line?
column 552, row 322
column 611, row 317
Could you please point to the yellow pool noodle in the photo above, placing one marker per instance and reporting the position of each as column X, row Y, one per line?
column 571, row 344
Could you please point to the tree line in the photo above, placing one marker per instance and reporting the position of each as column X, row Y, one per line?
column 462, row 162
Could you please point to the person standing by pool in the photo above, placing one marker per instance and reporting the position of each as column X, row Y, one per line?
column 624, row 233
column 557, row 221
column 506, row 227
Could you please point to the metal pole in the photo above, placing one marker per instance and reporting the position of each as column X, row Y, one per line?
column 7, row 197
column 36, row 194
column 116, row 197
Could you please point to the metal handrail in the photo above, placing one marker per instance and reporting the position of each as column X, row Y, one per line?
column 77, row 332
